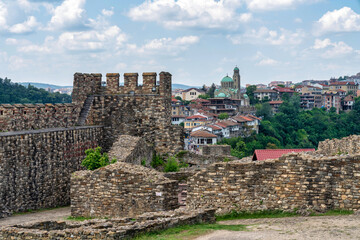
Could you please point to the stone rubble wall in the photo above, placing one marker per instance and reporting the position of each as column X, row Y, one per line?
column 35, row 166
column 346, row 145
column 116, row 228
column 131, row 149
column 215, row 150
column 121, row 189
column 302, row 181
column 146, row 116
column 18, row 117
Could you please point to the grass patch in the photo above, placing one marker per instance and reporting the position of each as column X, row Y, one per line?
column 71, row 218
column 335, row 212
column 277, row 214
column 257, row 214
column 188, row 231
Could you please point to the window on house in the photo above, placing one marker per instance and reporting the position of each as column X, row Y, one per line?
column 209, row 141
column 24, row 112
column 1, row 112
column 187, row 124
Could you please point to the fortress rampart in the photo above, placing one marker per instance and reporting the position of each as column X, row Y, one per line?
column 36, row 160
column 294, row 181
column 36, row 165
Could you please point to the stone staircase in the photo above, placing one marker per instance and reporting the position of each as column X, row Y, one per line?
column 85, row 110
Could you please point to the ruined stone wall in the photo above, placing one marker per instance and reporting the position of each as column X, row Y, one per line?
column 121, row 190
column 18, row 117
column 346, row 145
column 215, row 150
column 133, row 109
column 299, row 180
column 35, row 166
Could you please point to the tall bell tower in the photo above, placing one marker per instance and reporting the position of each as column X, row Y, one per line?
column 237, row 81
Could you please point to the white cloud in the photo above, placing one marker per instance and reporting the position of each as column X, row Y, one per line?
column 28, row 26
column 3, row 16
column 342, row 20
column 108, row 13
column 166, row 45
column 189, row 13
column 267, row 36
column 333, row 49
column 264, row 61
column 268, row 5
column 69, row 15
column 298, row 20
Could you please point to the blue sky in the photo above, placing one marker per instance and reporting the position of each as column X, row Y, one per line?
column 198, row 41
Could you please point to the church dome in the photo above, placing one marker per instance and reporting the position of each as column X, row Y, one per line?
column 227, row 79
column 221, row 95
column 236, row 69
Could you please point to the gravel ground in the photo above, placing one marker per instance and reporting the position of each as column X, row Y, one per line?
column 323, row 228
column 54, row 214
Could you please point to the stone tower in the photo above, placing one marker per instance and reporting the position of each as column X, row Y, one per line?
column 236, row 78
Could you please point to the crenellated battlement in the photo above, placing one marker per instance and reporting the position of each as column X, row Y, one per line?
column 86, row 84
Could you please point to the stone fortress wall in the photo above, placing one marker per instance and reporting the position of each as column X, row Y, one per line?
column 35, row 165
column 294, row 181
column 346, row 145
column 18, row 117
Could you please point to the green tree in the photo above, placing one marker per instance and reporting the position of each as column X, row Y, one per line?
column 204, row 96
column 95, row 159
column 264, row 110
column 211, row 90
column 223, row 116
column 250, row 92
column 171, row 165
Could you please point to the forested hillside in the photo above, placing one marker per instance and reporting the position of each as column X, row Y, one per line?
column 16, row 93
column 295, row 128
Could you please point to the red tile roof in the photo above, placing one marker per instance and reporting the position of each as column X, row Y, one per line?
column 196, row 116
column 203, row 134
column 253, row 117
column 276, row 102
column 214, row 127
column 280, row 89
column 342, row 83
column 263, row 154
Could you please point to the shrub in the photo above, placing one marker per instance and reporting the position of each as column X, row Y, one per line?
column 95, row 159
column 156, row 161
column 171, row 165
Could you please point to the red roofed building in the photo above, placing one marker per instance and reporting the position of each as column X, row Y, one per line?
column 348, row 87
column 264, row 154
column 202, row 138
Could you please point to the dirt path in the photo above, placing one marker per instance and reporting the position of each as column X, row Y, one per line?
column 54, row 214
column 322, row 228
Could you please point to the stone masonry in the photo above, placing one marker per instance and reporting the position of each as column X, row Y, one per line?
column 36, row 165
column 294, row 181
column 346, row 145
column 131, row 149
column 121, row 190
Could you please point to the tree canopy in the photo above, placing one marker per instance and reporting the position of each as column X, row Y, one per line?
column 292, row 127
column 16, row 93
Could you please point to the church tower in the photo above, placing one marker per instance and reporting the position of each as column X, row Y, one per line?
column 236, row 78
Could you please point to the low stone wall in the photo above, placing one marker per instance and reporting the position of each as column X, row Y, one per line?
column 215, row 150
column 118, row 228
column 346, row 145
column 35, row 166
column 131, row 149
column 121, row 189
column 303, row 181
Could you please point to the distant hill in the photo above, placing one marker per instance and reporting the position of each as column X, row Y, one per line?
column 182, row 86
column 45, row 85
column 17, row 93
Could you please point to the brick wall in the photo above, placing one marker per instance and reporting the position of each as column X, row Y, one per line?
column 346, row 145
column 35, row 166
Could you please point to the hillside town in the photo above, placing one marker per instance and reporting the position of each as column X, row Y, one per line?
column 212, row 113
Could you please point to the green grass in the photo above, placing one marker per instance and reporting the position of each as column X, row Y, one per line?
column 257, row 214
column 276, row 214
column 78, row 218
column 188, row 231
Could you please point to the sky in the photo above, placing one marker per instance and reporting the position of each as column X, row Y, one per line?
column 197, row 41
